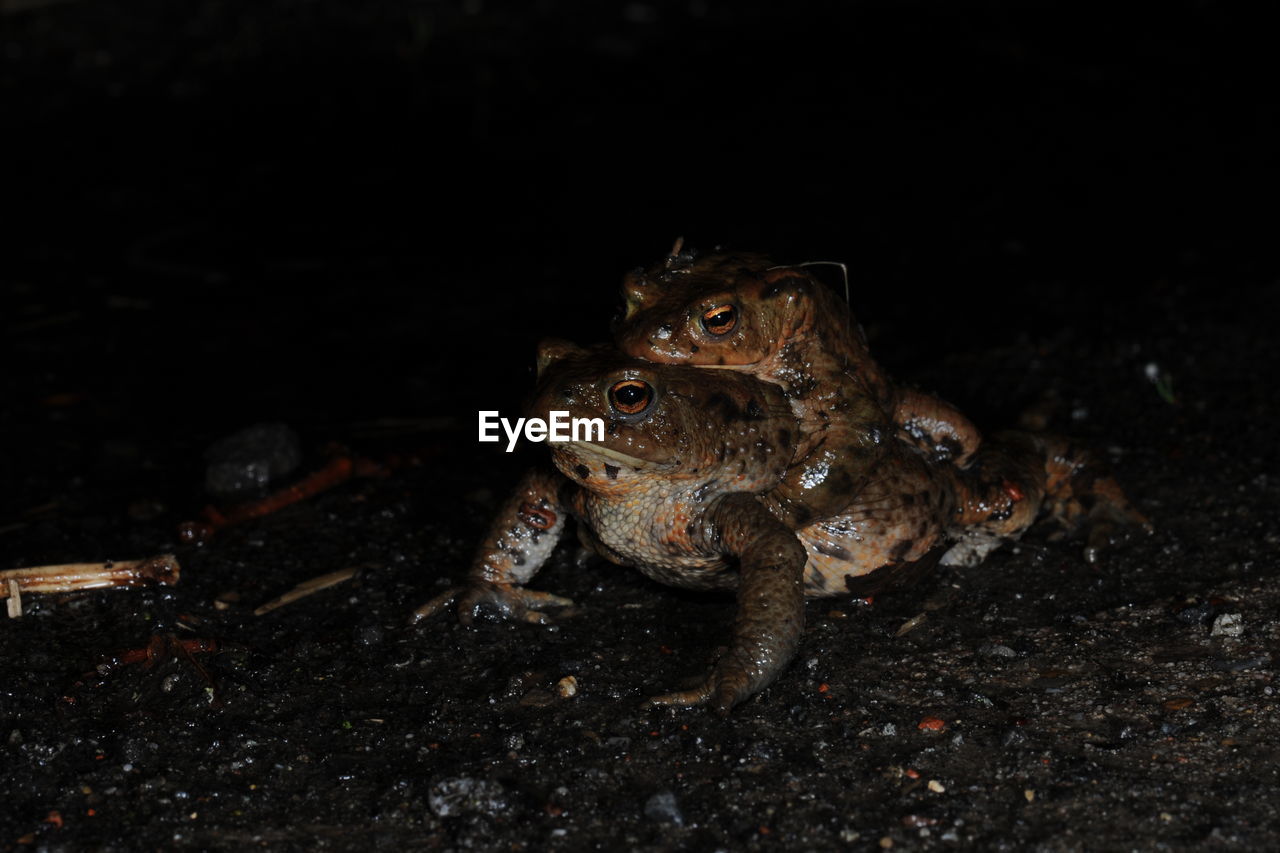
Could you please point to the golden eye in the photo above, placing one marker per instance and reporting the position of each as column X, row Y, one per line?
column 720, row 320
column 631, row 396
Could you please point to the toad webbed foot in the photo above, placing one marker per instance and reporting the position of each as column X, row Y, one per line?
column 511, row 602
column 520, row 539
column 730, row 681
column 1082, row 493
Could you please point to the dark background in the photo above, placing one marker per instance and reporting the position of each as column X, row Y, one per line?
column 324, row 210
column 358, row 218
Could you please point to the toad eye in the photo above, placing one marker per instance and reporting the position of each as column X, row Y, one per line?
column 720, row 320
column 630, row 396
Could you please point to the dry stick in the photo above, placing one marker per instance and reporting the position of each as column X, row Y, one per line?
column 72, row 577
column 308, row 587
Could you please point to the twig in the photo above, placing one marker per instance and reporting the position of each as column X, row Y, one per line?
column 911, row 624
column 308, row 587
column 72, row 577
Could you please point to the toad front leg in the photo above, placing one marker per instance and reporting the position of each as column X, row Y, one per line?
column 766, row 631
column 520, row 539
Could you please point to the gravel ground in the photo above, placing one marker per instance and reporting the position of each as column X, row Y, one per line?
column 359, row 224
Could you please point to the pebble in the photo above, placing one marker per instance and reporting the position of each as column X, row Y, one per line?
column 995, row 650
column 1245, row 663
column 247, row 461
column 1196, row 613
column 462, row 794
column 664, row 808
column 1227, row 625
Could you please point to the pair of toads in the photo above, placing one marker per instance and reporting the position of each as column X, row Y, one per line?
column 752, row 443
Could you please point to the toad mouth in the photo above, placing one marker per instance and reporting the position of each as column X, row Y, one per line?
column 594, row 449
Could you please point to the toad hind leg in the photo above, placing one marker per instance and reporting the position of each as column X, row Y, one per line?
column 766, row 630
column 1020, row 474
column 1081, row 492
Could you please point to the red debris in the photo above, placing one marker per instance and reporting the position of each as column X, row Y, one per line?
column 337, row 471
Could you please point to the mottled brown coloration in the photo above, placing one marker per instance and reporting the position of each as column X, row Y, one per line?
column 688, row 492
column 937, row 427
column 792, row 331
column 1081, row 491
column 798, row 486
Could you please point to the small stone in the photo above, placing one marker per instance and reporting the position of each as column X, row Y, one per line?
column 1030, row 795
column 664, row 808
column 936, row 786
column 931, row 724
column 461, row 794
column 1013, row 737
column 567, row 686
column 1227, row 625
column 1195, row 613
column 1242, row 664
column 248, row 461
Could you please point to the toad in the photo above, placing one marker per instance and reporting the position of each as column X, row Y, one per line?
column 745, row 313
column 780, row 324
column 680, row 487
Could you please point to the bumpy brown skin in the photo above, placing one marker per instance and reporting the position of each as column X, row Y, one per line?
column 1080, row 491
column 687, row 488
column 682, row 490
column 788, row 329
